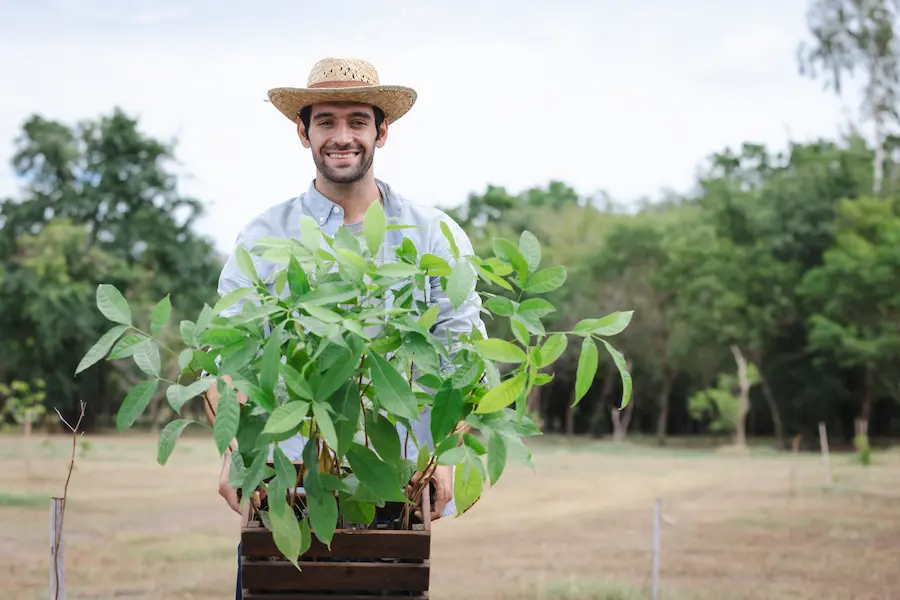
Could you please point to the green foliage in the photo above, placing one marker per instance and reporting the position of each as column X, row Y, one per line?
column 338, row 349
column 22, row 401
column 98, row 203
column 720, row 404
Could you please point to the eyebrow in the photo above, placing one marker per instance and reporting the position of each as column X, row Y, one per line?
column 360, row 114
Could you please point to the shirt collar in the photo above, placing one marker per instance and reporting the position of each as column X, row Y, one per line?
column 321, row 207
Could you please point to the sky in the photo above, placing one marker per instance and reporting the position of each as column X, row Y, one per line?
column 627, row 98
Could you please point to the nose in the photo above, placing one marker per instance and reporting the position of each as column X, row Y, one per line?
column 342, row 135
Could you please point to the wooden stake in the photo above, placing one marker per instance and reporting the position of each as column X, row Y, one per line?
column 657, row 513
column 57, row 562
column 823, row 443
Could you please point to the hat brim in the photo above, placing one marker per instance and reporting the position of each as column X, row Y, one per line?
column 394, row 100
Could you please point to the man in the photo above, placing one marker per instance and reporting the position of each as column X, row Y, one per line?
column 342, row 116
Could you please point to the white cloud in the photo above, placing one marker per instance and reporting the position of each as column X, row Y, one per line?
column 595, row 94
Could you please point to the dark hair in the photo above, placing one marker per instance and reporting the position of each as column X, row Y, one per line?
column 305, row 115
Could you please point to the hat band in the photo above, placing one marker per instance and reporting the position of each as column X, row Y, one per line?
column 339, row 84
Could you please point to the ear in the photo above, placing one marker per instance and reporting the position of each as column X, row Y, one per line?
column 301, row 133
column 382, row 134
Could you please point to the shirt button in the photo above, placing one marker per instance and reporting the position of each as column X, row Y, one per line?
column 337, row 209
column 321, row 219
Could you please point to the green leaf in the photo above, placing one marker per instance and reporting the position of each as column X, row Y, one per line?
column 271, row 360
column 613, row 324
column 391, row 390
column 467, row 373
column 496, row 456
column 547, row 280
column 100, row 348
column 324, row 423
column 622, row 366
column 284, row 468
column 160, row 315
column 295, row 382
column 287, row 532
column 467, row 485
column 552, row 349
column 509, row 253
column 178, row 394
column 374, row 473
column 323, row 514
column 168, row 437
column 384, row 437
column 135, row 403
column 351, row 259
column 188, row 331
column 429, row 317
column 434, row 265
column 112, row 304
column 503, row 395
column 396, row 270
column 184, row 359
column 499, row 350
column 146, row 357
column 587, row 368
column 423, row 459
column 500, row 305
column 454, row 249
column 298, row 282
column 220, row 336
column 347, row 405
column 126, row 346
column 374, row 224
column 310, row 234
column 286, row 417
column 354, row 511
column 460, row 283
column 530, row 248
column 323, row 314
column 536, row 307
column 228, row 414
column 231, row 298
column 446, row 412
column 245, row 264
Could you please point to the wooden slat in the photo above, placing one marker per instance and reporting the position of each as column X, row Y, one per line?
column 314, row 596
column 406, row 544
column 258, row 576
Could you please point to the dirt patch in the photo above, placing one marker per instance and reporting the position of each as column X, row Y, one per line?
column 736, row 527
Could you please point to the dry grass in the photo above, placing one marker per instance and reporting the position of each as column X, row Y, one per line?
column 578, row 528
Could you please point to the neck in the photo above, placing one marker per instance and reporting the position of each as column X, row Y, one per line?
column 355, row 198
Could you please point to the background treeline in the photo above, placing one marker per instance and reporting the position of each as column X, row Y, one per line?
column 766, row 299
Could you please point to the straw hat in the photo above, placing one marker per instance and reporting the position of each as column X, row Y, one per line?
column 344, row 80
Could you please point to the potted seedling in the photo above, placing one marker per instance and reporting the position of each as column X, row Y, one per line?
column 337, row 348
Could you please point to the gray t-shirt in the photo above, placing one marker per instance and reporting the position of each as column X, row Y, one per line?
column 354, row 228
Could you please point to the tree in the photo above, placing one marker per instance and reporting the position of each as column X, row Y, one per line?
column 854, row 299
column 100, row 202
column 858, row 34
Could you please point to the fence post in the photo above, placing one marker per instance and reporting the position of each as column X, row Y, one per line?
column 826, row 460
column 57, row 562
column 657, row 513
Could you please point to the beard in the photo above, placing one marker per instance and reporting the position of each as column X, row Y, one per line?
column 347, row 174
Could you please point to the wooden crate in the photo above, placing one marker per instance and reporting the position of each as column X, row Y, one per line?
column 389, row 564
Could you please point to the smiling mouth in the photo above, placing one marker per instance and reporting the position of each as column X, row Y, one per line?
column 341, row 155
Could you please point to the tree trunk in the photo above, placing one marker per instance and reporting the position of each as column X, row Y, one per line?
column 740, row 431
column 620, row 417
column 570, row 415
column 663, row 400
column 773, row 408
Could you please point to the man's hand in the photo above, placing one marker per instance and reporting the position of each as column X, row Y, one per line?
column 225, row 489
column 442, row 478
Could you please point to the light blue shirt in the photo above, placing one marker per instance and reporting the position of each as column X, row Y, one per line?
column 283, row 221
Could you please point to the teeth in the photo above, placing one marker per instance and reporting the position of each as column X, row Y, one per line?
column 344, row 155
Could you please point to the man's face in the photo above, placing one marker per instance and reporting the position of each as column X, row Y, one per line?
column 342, row 138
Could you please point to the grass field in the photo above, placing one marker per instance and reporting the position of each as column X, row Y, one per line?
column 578, row 528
